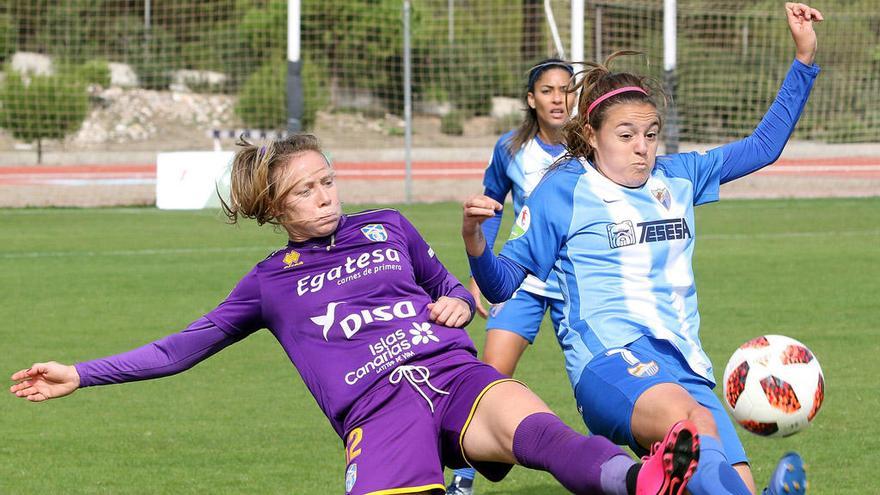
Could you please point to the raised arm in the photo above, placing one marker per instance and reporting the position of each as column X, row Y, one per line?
column 766, row 143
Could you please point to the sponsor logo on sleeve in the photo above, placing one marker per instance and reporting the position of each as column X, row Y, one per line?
column 375, row 232
column 521, row 225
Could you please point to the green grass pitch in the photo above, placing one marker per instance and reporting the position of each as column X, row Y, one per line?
column 79, row 284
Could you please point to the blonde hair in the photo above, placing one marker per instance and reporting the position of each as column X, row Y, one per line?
column 254, row 190
column 595, row 82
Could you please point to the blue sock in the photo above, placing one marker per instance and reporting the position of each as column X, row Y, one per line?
column 466, row 473
column 715, row 475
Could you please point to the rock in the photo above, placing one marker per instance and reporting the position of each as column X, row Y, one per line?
column 32, row 63
column 503, row 106
column 122, row 75
column 199, row 81
column 136, row 115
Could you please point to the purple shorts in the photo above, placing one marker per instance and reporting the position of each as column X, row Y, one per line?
column 395, row 442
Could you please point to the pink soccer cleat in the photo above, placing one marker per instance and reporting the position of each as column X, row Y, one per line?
column 671, row 463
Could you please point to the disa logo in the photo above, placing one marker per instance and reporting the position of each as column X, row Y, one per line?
column 352, row 323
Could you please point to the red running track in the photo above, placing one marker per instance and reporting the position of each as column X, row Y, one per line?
column 865, row 167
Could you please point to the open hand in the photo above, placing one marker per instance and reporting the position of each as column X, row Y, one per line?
column 44, row 381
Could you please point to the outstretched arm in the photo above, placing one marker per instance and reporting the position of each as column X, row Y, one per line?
column 766, row 143
column 170, row 355
column 44, row 381
column 234, row 319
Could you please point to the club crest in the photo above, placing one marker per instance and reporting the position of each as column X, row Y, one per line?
column 375, row 232
column 662, row 196
column 351, row 476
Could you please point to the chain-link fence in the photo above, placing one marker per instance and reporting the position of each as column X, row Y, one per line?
column 130, row 75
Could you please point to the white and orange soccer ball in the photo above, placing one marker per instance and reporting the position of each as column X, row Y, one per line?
column 773, row 386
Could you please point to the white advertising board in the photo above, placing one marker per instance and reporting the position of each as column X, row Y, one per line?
column 189, row 180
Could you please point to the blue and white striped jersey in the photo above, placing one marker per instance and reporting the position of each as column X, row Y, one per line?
column 622, row 255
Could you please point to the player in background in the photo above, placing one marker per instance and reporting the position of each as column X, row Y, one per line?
column 373, row 322
column 519, row 161
column 616, row 224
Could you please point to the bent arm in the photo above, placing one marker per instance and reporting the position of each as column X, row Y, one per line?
column 766, row 143
column 497, row 276
column 493, row 225
column 167, row 356
column 431, row 275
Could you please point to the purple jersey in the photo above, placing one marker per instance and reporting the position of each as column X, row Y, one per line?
column 348, row 309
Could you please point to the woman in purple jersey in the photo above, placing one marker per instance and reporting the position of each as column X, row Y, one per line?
column 372, row 321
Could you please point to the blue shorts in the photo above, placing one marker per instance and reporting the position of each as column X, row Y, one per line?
column 612, row 382
column 523, row 313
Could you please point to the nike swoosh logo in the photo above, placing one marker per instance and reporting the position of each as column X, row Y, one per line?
column 611, row 200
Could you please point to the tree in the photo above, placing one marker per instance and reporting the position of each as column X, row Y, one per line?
column 34, row 107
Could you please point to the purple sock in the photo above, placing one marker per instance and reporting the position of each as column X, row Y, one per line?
column 542, row 441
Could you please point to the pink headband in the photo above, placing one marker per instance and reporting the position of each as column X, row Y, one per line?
column 612, row 93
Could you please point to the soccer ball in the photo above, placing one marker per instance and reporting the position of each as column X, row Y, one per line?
column 773, row 386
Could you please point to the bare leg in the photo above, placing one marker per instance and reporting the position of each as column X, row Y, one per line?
column 503, row 350
column 489, row 436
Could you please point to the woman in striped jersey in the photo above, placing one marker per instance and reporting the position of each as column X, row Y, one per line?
column 615, row 223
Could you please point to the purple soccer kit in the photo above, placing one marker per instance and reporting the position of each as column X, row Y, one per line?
column 351, row 313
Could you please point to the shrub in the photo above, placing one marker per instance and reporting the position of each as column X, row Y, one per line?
column 262, row 101
column 94, row 72
column 507, row 122
column 42, row 107
column 452, row 123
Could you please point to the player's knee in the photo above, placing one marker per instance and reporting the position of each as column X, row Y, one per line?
column 703, row 419
column 504, row 364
